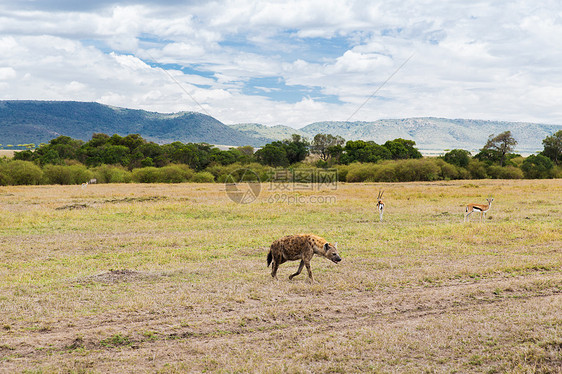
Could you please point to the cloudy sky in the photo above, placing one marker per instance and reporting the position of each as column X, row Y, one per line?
column 290, row 62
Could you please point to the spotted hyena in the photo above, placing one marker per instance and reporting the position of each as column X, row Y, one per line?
column 300, row 247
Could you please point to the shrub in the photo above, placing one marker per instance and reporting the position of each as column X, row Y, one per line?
column 112, row 174
column 20, row 173
column 146, row 175
column 342, row 172
column 477, row 169
column 56, row 174
column 457, row 157
column 537, row 166
column 517, row 161
column 221, row 173
column 417, row 170
column 203, row 177
column 385, row 172
column 506, row 172
column 361, row 172
column 72, row 174
column 80, row 174
column 448, row 170
column 175, row 174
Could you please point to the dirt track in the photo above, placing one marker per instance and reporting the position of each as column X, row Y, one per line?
column 280, row 323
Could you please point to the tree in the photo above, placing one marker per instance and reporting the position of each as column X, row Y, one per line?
column 537, row 166
column 503, row 144
column 553, row 147
column 335, row 153
column 322, row 143
column 272, row 154
column 296, row 148
column 98, row 139
column 247, row 150
column 56, row 151
column 246, row 154
column 458, row 157
column 115, row 154
column 362, row 151
column 402, row 149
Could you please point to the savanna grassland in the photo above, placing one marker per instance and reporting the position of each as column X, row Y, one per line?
column 173, row 278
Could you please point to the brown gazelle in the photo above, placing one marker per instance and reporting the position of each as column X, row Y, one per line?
column 380, row 205
column 482, row 208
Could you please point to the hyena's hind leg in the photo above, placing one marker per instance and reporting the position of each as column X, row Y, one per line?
column 298, row 271
column 274, row 267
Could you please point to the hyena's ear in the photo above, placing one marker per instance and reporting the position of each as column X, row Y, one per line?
column 326, row 246
column 336, row 245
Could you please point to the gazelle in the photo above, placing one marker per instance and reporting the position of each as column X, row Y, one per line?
column 483, row 209
column 380, row 204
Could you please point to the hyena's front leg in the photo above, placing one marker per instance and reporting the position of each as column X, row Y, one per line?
column 307, row 264
column 298, row 271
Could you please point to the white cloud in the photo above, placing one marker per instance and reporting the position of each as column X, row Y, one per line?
column 490, row 60
column 7, row 73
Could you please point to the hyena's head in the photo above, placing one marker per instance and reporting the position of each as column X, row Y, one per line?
column 331, row 252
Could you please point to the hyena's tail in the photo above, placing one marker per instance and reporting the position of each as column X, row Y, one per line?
column 269, row 258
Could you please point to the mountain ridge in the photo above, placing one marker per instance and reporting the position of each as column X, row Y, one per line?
column 434, row 133
column 429, row 133
column 30, row 121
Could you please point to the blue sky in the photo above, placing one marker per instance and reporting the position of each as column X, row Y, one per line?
column 290, row 62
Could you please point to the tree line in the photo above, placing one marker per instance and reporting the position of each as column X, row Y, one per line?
column 133, row 159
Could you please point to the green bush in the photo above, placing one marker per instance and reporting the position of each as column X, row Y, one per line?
column 342, row 171
column 175, row 174
column 166, row 174
column 457, row 157
column 203, row 177
column 448, row 171
column 477, row 169
column 358, row 172
column 424, row 169
column 238, row 170
column 61, row 174
column 20, row 173
column 537, row 166
column 146, row 175
column 396, row 171
column 506, row 172
column 112, row 174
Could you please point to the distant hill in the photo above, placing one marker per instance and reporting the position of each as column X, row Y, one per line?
column 430, row 134
column 267, row 134
column 24, row 122
column 439, row 133
column 41, row 121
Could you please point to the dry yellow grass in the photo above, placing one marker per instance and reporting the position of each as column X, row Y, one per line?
column 7, row 153
column 173, row 278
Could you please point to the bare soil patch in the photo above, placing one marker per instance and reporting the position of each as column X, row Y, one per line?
column 73, row 206
column 114, row 276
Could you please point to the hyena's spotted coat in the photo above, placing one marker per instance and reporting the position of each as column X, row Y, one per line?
column 300, row 247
